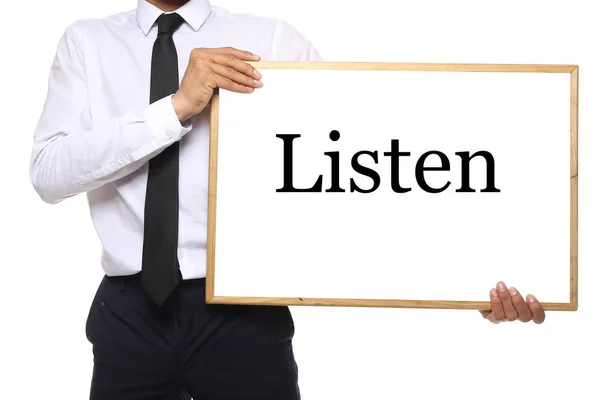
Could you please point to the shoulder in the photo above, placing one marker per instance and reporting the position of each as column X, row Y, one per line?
column 279, row 40
column 126, row 19
column 90, row 28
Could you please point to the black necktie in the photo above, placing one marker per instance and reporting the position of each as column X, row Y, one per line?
column 160, row 267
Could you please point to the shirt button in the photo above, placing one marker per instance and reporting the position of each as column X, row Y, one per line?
column 181, row 254
column 170, row 134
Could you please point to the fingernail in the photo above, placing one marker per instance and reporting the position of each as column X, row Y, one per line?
column 513, row 291
column 502, row 287
column 257, row 74
column 530, row 298
column 259, row 83
column 256, row 56
column 250, row 90
column 494, row 293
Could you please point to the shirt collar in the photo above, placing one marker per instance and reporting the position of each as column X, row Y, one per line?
column 194, row 12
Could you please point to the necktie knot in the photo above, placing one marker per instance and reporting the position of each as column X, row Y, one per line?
column 169, row 23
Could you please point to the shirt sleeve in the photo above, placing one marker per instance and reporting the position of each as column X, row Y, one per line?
column 72, row 154
column 290, row 45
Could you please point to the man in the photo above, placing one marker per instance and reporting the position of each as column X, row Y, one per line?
column 126, row 122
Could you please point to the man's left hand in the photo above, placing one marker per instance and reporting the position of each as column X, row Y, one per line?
column 509, row 305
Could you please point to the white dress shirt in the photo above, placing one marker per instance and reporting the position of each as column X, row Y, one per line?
column 97, row 130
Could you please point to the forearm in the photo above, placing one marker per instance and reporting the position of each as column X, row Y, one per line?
column 65, row 162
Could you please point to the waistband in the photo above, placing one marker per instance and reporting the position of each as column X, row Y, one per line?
column 136, row 280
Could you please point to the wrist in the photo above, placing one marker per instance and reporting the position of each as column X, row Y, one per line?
column 181, row 107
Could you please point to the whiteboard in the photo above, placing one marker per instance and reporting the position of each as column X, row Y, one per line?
column 412, row 220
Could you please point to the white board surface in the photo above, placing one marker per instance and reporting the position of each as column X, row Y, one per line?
column 448, row 246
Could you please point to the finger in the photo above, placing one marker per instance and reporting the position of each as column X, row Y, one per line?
column 231, row 61
column 509, row 310
column 497, row 315
column 486, row 314
column 524, row 312
column 235, row 76
column 230, row 85
column 539, row 315
column 237, row 53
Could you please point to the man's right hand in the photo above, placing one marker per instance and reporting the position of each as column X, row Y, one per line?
column 225, row 68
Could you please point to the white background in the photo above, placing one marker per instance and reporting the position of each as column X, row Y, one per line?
column 387, row 245
column 50, row 254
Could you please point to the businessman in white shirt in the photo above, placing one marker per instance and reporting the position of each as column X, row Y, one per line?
column 126, row 122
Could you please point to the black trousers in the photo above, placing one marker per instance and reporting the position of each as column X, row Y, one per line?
column 142, row 352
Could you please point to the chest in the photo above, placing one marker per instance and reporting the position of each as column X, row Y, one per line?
column 118, row 67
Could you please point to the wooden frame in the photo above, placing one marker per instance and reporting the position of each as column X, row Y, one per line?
column 573, row 70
